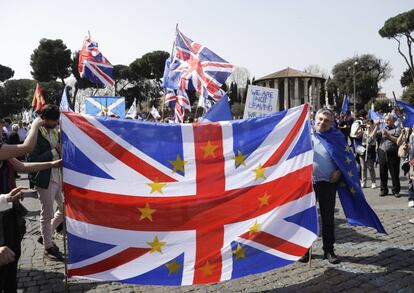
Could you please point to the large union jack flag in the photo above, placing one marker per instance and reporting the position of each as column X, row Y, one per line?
column 93, row 65
column 187, row 203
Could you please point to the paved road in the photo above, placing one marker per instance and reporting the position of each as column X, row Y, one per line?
column 371, row 262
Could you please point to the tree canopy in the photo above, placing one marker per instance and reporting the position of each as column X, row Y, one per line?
column 369, row 71
column 51, row 60
column 17, row 94
column 143, row 77
column 401, row 27
column 408, row 94
column 5, row 73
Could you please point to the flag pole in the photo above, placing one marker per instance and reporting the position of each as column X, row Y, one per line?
column 171, row 58
column 310, row 256
column 65, row 251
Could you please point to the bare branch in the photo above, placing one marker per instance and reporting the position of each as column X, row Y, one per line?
column 402, row 54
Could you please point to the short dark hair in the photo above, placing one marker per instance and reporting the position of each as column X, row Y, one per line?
column 49, row 112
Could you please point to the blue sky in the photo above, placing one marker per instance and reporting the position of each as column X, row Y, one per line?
column 263, row 36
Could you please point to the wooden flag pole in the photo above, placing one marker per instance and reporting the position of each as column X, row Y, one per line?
column 310, row 256
column 65, row 252
column 171, row 58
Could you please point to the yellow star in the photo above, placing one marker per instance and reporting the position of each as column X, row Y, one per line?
column 146, row 213
column 156, row 245
column 348, row 149
column 173, row 267
column 254, row 229
column 260, row 172
column 342, row 184
column 178, row 164
column 239, row 252
column 209, row 149
column 156, row 186
column 350, row 174
column 353, row 191
column 239, row 159
column 207, row 269
column 264, row 200
column 348, row 160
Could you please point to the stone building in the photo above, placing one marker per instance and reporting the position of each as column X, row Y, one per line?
column 295, row 88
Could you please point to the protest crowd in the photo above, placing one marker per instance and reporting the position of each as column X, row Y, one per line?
column 179, row 199
column 383, row 142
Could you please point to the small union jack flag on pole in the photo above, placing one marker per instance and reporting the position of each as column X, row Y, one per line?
column 195, row 67
column 93, row 65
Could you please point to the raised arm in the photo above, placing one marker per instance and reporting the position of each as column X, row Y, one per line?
column 13, row 151
column 35, row 166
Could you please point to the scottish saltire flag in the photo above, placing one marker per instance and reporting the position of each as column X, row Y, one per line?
column 196, row 67
column 345, row 105
column 408, row 113
column 64, row 102
column 93, row 65
column 105, row 106
column 357, row 210
column 179, row 204
column 220, row 111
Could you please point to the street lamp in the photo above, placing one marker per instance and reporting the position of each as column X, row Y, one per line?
column 353, row 73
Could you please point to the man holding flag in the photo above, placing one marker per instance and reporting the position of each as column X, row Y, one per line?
column 334, row 169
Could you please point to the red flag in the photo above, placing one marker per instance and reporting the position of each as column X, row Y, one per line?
column 38, row 100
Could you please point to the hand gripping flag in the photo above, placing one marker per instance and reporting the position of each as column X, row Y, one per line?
column 179, row 204
column 196, row 67
column 38, row 100
column 356, row 208
column 93, row 65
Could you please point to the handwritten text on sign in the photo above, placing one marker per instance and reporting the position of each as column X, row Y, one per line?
column 260, row 101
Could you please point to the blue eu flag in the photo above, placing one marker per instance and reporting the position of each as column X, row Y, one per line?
column 357, row 210
column 409, row 113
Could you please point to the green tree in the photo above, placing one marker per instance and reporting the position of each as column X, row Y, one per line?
column 400, row 29
column 406, row 79
column 382, row 106
column 16, row 95
column 144, row 75
column 149, row 66
column 5, row 73
column 52, row 91
column 51, row 60
column 408, row 94
column 369, row 71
